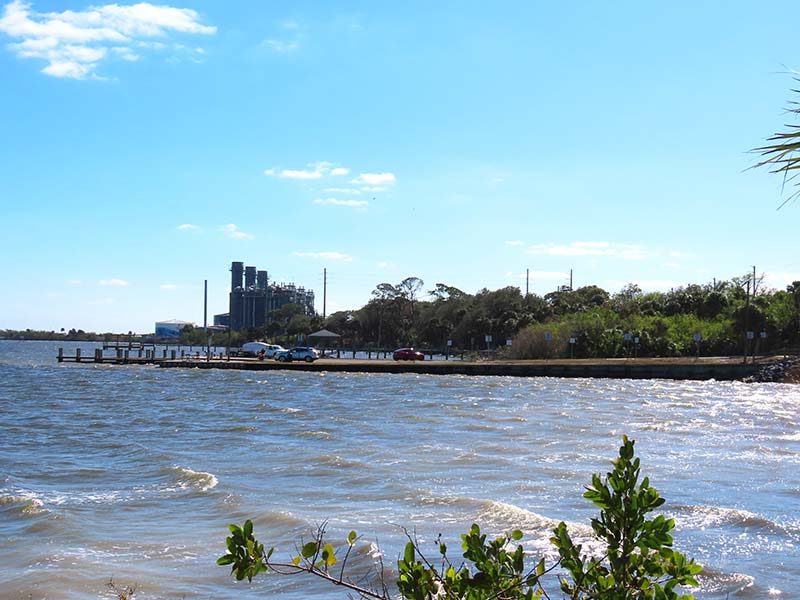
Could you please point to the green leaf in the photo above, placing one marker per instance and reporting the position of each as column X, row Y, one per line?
column 329, row 555
column 516, row 535
column 309, row 550
column 351, row 537
column 408, row 555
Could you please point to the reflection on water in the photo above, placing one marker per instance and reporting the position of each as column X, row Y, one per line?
column 135, row 472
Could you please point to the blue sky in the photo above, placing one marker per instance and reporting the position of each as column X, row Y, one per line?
column 145, row 147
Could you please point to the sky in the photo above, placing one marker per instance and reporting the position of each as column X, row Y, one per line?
column 144, row 147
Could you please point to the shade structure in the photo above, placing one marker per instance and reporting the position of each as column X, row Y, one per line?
column 324, row 334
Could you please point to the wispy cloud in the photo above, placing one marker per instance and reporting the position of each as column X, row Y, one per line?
column 232, row 231
column 170, row 287
column 74, row 282
column 374, row 179
column 282, row 46
column 626, row 251
column 383, row 264
column 338, row 190
column 316, row 170
column 188, row 227
column 114, row 282
column 74, row 42
column 285, row 45
column 337, row 202
column 325, row 255
column 514, row 243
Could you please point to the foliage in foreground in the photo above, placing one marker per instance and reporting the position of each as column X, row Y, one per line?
column 639, row 561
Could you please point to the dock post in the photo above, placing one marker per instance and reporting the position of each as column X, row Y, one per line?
column 164, row 353
column 98, row 355
column 140, row 352
column 127, row 355
column 119, row 353
column 77, row 355
column 60, row 355
column 172, row 354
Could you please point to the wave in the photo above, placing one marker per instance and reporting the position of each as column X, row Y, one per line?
column 717, row 582
column 706, row 517
column 23, row 505
column 187, row 479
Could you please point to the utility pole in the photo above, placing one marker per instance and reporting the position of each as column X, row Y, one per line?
column 324, row 292
column 527, row 283
column 205, row 318
column 570, row 280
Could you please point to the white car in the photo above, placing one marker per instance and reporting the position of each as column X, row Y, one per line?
column 299, row 353
column 272, row 350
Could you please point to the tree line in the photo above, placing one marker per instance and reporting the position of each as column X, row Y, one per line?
column 585, row 322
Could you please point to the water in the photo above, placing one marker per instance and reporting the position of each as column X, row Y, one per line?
column 133, row 473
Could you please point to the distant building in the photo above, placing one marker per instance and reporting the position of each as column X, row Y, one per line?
column 253, row 297
column 171, row 329
column 222, row 320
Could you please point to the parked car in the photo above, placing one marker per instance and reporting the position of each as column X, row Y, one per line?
column 299, row 353
column 273, row 349
column 407, row 354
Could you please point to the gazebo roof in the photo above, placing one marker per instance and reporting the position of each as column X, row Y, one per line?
column 324, row 333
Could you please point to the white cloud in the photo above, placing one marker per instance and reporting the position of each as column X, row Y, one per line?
column 626, row 251
column 169, row 286
column 74, row 282
column 374, row 189
column 325, row 255
column 114, row 282
column 74, row 42
column 383, row 264
column 232, row 231
column 188, row 227
column 337, row 202
column 316, row 170
column 374, row 179
column 780, row 280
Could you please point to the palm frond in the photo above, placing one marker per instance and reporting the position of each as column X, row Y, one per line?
column 782, row 154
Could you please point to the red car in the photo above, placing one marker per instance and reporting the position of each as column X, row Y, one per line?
column 407, row 354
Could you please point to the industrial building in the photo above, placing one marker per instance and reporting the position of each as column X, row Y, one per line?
column 253, row 297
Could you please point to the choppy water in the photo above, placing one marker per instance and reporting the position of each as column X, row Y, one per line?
column 133, row 473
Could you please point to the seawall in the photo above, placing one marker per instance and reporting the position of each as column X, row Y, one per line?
column 720, row 369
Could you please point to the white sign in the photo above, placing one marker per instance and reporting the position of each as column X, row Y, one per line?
column 449, row 342
column 636, row 340
column 573, row 340
column 487, row 338
column 750, row 335
column 509, row 342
